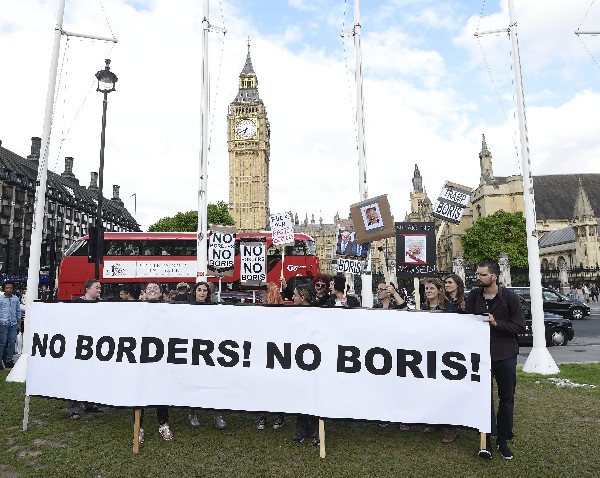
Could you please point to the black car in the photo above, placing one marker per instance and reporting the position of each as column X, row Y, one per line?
column 557, row 303
column 559, row 330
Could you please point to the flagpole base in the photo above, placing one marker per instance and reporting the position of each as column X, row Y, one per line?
column 19, row 371
column 540, row 361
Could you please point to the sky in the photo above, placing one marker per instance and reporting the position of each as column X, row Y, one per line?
column 431, row 89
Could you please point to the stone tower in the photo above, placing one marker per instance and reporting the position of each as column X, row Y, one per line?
column 248, row 141
column 585, row 225
column 420, row 205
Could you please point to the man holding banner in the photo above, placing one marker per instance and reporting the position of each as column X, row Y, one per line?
column 505, row 316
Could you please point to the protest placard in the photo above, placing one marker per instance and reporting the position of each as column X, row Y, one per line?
column 253, row 263
column 282, row 229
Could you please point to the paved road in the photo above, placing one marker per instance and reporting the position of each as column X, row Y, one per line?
column 585, row 346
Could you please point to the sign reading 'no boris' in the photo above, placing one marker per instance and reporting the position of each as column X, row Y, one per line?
column 221, row 251
column 253, row 264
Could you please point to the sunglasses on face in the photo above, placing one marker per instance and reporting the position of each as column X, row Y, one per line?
column 319, row 284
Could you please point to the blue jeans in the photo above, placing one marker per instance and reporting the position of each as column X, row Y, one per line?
column 505, row 373
column 8, row 336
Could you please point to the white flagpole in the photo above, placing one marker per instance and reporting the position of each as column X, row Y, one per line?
column 367, row 278
column 202, row 246
column 19, row 371
column 539, row 359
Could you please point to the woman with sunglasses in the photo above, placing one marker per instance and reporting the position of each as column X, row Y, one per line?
column 320, row 286
column 202, row 295
column 389, row 298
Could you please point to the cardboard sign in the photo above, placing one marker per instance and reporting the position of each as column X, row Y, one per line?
column 452, row 202
column 253, row 263
column 415, row 249
column 349, row 265
column 282, row 229
column 372, row 219
column 221, row 252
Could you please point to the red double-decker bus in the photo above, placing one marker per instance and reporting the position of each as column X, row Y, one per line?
column 134, row 258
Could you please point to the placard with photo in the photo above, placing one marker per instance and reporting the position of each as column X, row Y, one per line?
column 415, row 249
column 372, row 219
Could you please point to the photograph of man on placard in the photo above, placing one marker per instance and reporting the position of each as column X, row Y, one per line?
column 346, row 244
column 371, row 216
column 415, row 249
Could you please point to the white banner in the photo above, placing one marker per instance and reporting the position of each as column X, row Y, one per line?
column 282, row 229
column 411, row 367
column 253, row 263
column 148, row 269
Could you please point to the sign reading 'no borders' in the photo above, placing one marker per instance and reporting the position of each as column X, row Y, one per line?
column 412, row 367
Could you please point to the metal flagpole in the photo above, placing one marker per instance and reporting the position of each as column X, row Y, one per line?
column 539, row 359
column 202, row 246
column 367, row 278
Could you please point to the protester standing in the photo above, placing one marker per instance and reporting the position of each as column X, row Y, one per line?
column 320, row 285
column 202, row 295
column 273, row 297
column 504, row 313
column 92, row 289
column 338, row 297
column 10, row 324
column 435, row 296
column 389, row 298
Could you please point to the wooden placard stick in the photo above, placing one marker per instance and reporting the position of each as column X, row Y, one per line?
column 137, row 414
column 417, row 294
column 482, row 441
column 322, row 438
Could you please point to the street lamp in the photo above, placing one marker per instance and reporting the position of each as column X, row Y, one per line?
column 106, row 84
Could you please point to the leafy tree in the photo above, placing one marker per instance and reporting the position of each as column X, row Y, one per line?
column 188, row 221
column 490, row 235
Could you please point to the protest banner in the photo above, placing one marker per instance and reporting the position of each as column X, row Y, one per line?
column 221, row 252
column 282, row 229
column 411, row 367
column 253, row 263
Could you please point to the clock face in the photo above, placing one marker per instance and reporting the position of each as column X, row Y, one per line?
column 245, row 129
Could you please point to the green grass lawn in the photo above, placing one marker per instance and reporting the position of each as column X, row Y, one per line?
column 556, row 434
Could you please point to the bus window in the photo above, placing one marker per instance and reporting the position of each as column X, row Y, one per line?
column 298, row 249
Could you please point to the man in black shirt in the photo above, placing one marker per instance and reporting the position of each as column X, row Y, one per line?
column 505, row 316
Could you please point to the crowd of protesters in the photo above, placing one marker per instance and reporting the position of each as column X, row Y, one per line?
column 500, row 306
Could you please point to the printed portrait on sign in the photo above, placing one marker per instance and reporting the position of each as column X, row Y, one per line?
column 346, row 243
column 371, row 216
column 415, row 249
column 372, row 219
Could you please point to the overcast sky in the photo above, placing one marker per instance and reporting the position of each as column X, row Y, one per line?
column 431, row 89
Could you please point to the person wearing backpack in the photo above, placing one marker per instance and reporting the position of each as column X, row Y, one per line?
column 506, row 318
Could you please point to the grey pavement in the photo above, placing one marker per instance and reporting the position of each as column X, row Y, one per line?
column 583, row 348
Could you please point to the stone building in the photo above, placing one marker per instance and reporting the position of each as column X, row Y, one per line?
column 69, row 208
column 248, row 141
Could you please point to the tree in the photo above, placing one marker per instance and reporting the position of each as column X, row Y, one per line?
column 188, row 221
column 490, row 235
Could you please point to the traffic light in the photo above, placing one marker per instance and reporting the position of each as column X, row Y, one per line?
column 93, row 248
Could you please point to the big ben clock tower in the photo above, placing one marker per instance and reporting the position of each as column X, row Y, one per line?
column 248, row 141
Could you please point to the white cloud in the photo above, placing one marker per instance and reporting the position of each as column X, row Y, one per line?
column 427, row 99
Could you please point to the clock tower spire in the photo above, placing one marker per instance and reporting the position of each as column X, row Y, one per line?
column 248, row 141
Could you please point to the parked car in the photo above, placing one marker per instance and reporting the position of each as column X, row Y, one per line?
column 559, row 330
column 557, row 303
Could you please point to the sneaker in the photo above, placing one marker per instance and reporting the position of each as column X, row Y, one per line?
column 504, row 450
column 165, row 432
column 10, row 364
column 220, row 423
column 194, row 422
column 315, row 441
column 404, row 427
column 279, row 422
column 487, row 451
column 429, row 430
column 298, row 438
column 383, row 424
column 262, row 422
column 141, row 436
column 450, row 436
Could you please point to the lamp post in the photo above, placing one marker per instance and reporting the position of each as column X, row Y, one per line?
column 106, row 84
